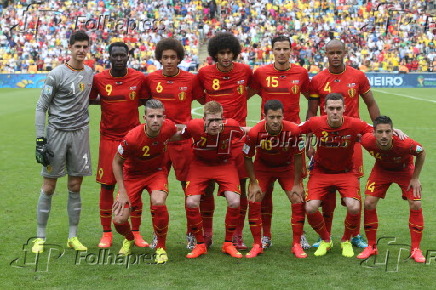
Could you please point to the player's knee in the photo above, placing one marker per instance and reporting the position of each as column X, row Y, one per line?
column 311, row 208
column 353, row 208
column 48, row 190
column 119, row 220
column 158, row 201
column 233, row 203
column 415, row 205
column 74, row 184
column 370, row 205
column 192, row 203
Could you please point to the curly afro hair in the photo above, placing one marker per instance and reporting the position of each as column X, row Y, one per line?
column 224, row 40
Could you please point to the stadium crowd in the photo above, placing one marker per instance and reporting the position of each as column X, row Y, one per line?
column 396, row 36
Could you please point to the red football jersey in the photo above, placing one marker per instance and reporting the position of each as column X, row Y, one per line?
column 213, row 148
column 285, row 86
column 398, row 157
column 335, row 146
column 144, row 154
column 227, row 88
column 119, row 100
column 273, row 151
column 176, row 93
column 351, row 83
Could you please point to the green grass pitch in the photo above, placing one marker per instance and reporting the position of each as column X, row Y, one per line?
column 412, row 110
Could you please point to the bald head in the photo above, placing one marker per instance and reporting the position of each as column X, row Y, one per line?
column 335, row 43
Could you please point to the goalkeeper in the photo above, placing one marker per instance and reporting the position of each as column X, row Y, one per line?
column 63, row 146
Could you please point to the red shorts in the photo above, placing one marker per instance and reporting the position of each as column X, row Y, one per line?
column 179, row 154
column 200, row 173
column 267, row 178
column 320, row 184
column 107, row 151
column 154, row 181
column 238, row 157
column 380, row 180
column 358, row 160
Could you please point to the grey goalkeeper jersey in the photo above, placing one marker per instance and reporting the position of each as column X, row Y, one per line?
column 66, row 97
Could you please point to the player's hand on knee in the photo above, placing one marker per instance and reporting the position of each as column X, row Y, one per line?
column 120, row 203
column 42, row 152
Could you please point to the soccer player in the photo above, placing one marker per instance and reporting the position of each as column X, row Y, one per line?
column 277, row 146
column 138, row 166
column 226, row 82
column 213, row 137
column 350, row 83
column 119, row 90
column 333, row 169
column 285, row 82
column 62, row 147
column 176, row 89
column 394, row 164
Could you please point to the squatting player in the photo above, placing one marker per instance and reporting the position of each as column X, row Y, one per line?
column 226, row 82
column 350, row 83
column 285, row 82
column 62, row 147
column 278, row 150
column 336, row 135
column 176, row 89
column 394, row 164
column 213, row 137
column 138, row 166
column 119, row 90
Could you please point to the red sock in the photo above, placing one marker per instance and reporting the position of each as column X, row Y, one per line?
column 371, row 225
column 160, row 219
column 267, row 208
column 207, row 208
column 255, row 221
column 243, row 205
column 195, row 223
column 328, row 209
column 106, row 201
column 351, row 223
column 124, row 229
column 297, row 221
column 231, row 222
column 316, row 221
column 135, row 217
column 416, row 225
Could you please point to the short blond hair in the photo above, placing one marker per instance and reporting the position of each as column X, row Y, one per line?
column 212, row 107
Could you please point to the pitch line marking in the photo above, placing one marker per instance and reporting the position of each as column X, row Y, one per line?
column 406, row 96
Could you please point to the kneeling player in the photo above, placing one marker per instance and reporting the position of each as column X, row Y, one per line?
column 277, row 148
column 394, row 164
column 212, row 161
column 138, row 166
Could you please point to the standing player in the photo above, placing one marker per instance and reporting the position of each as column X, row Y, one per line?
column 278, row 157
column 64, row 143
column 285, row 82
column 333, row 168
column 394, row 164
column 213, row 137
column 226, row 82
column 176, row 89
column 120, row 91
column 138, row 166
column 350, row 83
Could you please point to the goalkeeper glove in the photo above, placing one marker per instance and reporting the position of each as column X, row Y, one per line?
column 42, row 152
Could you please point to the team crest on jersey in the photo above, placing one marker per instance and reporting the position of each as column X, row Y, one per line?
column 132, row 95
column 241, row 89
column 81, row 86
column 295, row 89
column 182, row 96
column 352, row 92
